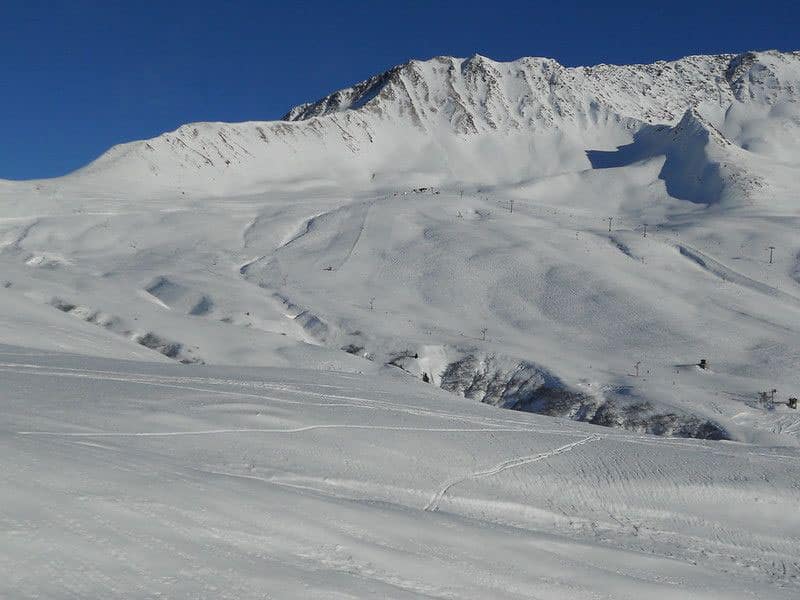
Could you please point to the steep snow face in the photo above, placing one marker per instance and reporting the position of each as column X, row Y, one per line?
column 450, row 120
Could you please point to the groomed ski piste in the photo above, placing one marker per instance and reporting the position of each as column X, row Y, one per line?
column 139, row 480
column 274, row 359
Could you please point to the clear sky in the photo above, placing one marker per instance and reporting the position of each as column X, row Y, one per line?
column 78, row 76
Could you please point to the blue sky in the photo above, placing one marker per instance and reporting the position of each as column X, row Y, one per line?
column 77, row 77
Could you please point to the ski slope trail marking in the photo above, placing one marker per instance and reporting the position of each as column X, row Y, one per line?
column 725, row 273
column 512, row 463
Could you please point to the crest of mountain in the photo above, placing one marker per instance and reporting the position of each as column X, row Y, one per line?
column 477, row 121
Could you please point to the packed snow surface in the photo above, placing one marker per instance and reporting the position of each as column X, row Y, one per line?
column 270, row 358
column 139, row 480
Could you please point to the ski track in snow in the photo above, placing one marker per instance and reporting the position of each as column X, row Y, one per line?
column 268, row 430
column 725, row 273
column 436, row 499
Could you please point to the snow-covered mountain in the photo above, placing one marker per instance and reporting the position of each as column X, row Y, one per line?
column 564, row 241
column 450, row 218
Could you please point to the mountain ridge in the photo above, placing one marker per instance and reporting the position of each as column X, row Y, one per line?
column 446, row 103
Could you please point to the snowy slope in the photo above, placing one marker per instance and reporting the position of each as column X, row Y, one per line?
column 138, row 480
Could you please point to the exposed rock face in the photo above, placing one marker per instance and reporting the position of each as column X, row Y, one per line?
column 519, row 385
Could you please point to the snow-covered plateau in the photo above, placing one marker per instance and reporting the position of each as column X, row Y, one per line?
column 272, row 359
